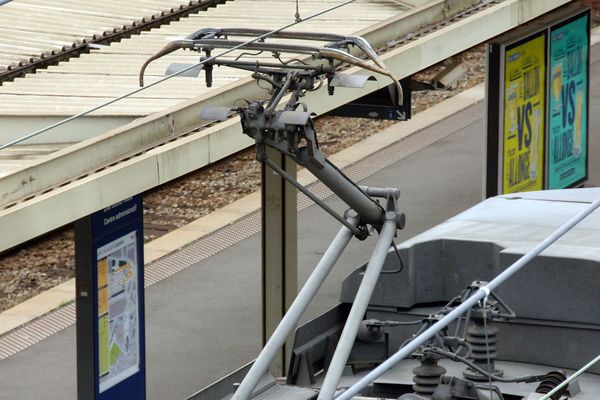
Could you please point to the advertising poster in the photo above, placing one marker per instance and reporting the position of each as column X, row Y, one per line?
column 568, row 102
column 524, row 114
column 118, row 324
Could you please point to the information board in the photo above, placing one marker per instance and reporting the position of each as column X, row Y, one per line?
column 110, row 303
column 118, row 310
column 568, row 102
column 524, row 110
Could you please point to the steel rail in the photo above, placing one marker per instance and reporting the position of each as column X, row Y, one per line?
column 483, row 292
column 135, row 91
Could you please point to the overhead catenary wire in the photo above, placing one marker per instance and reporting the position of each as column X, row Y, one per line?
column 483, row 292
column 138, row 90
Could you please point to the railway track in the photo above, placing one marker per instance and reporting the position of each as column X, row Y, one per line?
column 21, row 36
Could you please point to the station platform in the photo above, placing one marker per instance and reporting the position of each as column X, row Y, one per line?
column 203, row 305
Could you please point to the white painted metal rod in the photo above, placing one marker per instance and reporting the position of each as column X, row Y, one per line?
column 571, row 378
column 86, row 112
column 292, row 316
column 357, row 312
column 464, row 307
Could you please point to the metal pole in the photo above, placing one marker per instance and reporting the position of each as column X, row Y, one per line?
column 470, row 302
column 369, row 211
column 279, row 255
column 357, row 313
column 313, row 197
column 291, row 318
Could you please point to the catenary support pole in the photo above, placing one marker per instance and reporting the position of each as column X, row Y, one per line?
column 291, row 318
column 359, row 307
column 279, row 251
column 464, row 307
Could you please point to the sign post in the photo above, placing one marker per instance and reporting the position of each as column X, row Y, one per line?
column 110, row 303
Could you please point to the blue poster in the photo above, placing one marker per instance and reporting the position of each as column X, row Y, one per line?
column 568, row 103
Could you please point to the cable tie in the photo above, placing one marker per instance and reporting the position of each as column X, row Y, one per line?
column 485, row 290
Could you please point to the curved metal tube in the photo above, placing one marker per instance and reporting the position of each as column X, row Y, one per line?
column 171, row 47
column 366, row 47
column 340, row 55
column 211, row 38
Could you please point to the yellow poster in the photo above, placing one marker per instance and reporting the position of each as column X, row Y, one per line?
column 103, row 272
column 524, row 111
column 103, row 345
column 103, row 286
column 103, row 300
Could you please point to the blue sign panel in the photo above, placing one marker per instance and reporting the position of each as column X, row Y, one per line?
column 114, row 250
column 568, row 100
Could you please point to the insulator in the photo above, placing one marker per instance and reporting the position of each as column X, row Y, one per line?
column 370, row 331
column 483, row 340
column 427, row 376
column 551, row 381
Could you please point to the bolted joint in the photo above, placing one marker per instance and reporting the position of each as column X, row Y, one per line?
column 350, row 213
column 400, row 221
column 363, row 233
column 385, row 193
column 363, row 230
column 254, row 110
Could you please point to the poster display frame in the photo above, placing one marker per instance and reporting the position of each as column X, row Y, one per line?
column 539, row 181
column 495, row 95
column 116, row 235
